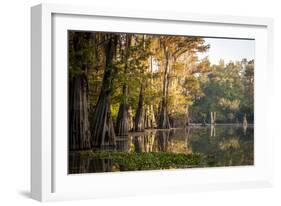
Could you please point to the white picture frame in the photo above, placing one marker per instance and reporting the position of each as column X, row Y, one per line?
column 49, row 178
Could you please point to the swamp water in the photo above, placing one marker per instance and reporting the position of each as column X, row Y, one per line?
column 222, row 145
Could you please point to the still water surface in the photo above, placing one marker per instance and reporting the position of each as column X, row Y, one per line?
column 220, row 146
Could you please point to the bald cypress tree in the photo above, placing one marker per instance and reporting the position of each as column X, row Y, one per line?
column 102, row 129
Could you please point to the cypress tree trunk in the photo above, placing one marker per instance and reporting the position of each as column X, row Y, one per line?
column 102, row 129
column 79, row 130
column 164, row 122
column 139, row 121
column 122, row 125
column 146, row 118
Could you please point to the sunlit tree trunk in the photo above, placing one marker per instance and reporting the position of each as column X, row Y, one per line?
column 150, row 119
column 130, row 119
column 213, row 118
column 102, row 129
column 164, row 122
column 146, row 117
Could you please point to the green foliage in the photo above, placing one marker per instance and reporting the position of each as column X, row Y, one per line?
column 147, row 161
column 227, row 90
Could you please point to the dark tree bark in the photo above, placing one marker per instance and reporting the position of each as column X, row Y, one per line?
column 79, row 129
column 102, row 129
column 139, row 120
column 122, row 125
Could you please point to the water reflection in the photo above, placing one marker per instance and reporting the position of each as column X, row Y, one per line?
column 219, row 145
column 79, row 165
column 122, row 144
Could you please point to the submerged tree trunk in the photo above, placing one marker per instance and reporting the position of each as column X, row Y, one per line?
column 102, row 129
column 79, row 129
column 164, row 122
column 139, row 121
column 122, row 125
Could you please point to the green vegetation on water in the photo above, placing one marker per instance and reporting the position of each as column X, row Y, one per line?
column 146, row 161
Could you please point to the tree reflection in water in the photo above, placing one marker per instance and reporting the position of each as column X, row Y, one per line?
column 218, row 145
column 86, row 165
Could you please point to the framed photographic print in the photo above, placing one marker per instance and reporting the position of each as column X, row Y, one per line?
column 137, row 102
